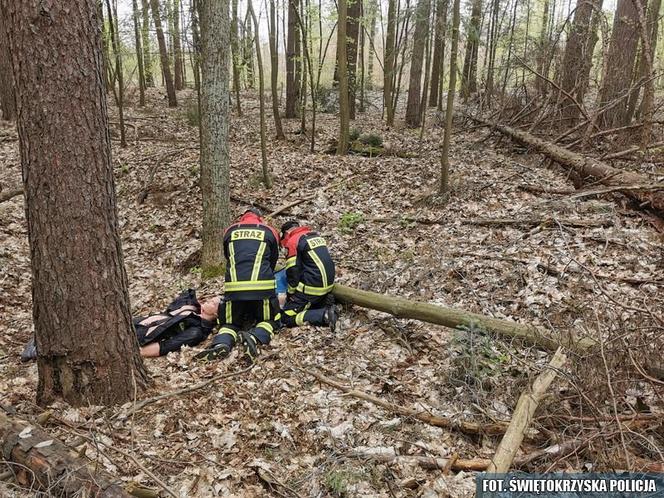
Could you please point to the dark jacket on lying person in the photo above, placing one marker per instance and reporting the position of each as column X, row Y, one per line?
column 179, row 325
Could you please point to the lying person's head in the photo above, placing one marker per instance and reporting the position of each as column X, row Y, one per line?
column 210, row 307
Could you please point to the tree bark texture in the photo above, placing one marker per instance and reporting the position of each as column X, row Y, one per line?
column 88, row 353
column 469, row 72
column 413, row 114
column 344, row 106
column 438, row 52
column 178, row 59
column 620, row 64
column 119, row 73
column 352, row 42
column 215, row 116
column 235, row 52
column 390, row 62
column 577, row 58
column 163, row 54
column 7, row 99
column 292, row 53
column 139, row 54
column 44, row 463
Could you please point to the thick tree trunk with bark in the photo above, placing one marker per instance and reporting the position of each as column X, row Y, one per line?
column 469, row 72
column 413, row 114
column 274, row 70
column 215, row 117
column 292, row 53
column 620, row 64
column 344, row 106
column 47, row 464
column 438, row 52
column 163, row 54
column 88, row 353
column 577, row 59
column 390, row 62
column 7, row 100
column 147, row 46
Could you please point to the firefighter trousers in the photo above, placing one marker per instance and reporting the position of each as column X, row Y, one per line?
column 261, row 316
column 302, row 308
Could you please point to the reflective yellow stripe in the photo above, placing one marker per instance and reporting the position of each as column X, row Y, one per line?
column 314, row 291
column 299, row 319
column 231, row 252
column 291, row 262
column 267, row 327
column 291, row 312
column 257, row 262
column 266, row 309
column 229, row 312
column 231, row 332
column 291, row 290
column 277, row 317
column 256, row 285
column 320, row 266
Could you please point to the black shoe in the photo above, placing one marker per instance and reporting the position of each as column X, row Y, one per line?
column 214, row 352
column 250, row 344
column 331, row 316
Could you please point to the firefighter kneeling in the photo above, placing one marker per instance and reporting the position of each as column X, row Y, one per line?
column 251, row 248
column 310, row 273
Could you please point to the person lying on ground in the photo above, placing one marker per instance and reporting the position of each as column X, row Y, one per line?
column 251, row 248
column 310, row 273
column 185, row 322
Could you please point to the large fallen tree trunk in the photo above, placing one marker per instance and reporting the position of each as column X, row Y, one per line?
column 586, row 166
column 41, row 462
column 454, row 318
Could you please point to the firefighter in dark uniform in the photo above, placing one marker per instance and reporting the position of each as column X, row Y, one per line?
column 310, row 273
column 251, row 248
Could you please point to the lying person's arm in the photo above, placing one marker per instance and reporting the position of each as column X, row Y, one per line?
column 195, row 332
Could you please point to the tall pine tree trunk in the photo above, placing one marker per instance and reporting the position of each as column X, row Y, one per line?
column 438, row 51
column 163, row 55
column 147, row 46
column 274, row 70
column 491, row 52
column 390, row 62
column 215, row 117
column 292, row 53
column 620, row 64
column 88, row 352
column 372, row 38
column 248, row 52
column 449, row 111
column 413, row 113
column 344, row 105
column 469, row 72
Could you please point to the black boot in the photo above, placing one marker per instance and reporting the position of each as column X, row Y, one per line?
column 331, row 317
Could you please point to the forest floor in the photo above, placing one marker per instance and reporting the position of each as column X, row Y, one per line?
column 591, row 265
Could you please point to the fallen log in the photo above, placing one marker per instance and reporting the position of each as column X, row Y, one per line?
column 464, row 426
column 523, row 415
column 41, row 462
column 586, row 166
column 454, row 318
